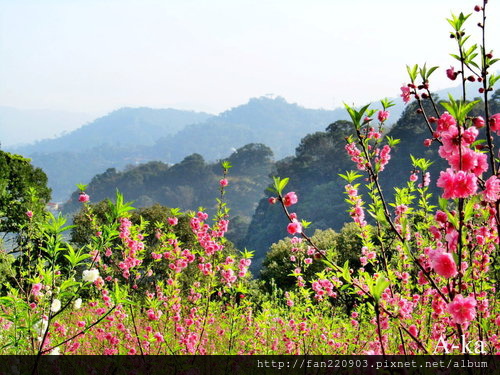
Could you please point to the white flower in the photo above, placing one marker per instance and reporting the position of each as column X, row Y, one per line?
column 90, row 275
column 40, row 327
column 77, row 304
column 56, row 305
column 55, row 351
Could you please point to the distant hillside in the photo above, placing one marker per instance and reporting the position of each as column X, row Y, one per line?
column 274, row 122
column 127, row 137
column 123, row 127
column 190, row 184
column 116, row 140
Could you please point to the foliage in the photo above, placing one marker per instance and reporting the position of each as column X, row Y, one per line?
column 23, row 188
column 340, row 247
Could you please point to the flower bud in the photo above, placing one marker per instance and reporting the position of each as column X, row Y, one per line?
column 478, row 122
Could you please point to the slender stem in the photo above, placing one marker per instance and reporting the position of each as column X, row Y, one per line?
column 135, row 330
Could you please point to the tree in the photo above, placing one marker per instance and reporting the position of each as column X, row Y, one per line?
column 23, row 188
column 340, row 247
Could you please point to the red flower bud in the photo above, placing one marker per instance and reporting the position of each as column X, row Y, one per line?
column 478, row 122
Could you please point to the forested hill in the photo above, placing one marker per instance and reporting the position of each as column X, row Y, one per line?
column 314, row 170
column 274, row 122
column 190, row 184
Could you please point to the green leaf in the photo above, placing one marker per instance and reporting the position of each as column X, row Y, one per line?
column 380, row 285
column 280, row 184
column 392, row 141
column 412, row 72
column 226, row 165
column 305, row 224
column 350, row 176
column 386, row 103
column 493, row 79
column 346, row 273
column 443, row 203
column 81, row 187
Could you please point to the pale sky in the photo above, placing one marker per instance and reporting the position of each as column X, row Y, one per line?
column 95, row 56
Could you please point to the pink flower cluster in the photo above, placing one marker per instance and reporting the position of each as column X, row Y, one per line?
column 457, row 185
column 383, row 157
column 460, row 180
column 133, row 247
column 355, row 153
column 205, row 235
column 323, row 287
column 357, row 212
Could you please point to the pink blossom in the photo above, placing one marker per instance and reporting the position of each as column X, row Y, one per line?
column 159, row 337
column 294, row 227
column 272, row 200
column 35, row 289
column 441, row 217
column 223, row 182
column 413, row 177
column 29, row 214
column 457, row 185
column 462, row 310
column 383, row 115
column 290, row 198
column 495, row 123
column 405, row 94
column 443, row 263
column 173, row 221
column 427, row 142
column 469, row 136
column 492, row 189
column 445, row 122
column 471, row 162
column 413, row 330
column 83, row 197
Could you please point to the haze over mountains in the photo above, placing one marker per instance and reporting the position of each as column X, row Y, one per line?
column 130, row 136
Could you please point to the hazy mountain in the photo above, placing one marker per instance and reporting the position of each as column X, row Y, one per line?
column 23, row 126
column 123, row 127
column 127, row 137
column 274, row 122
